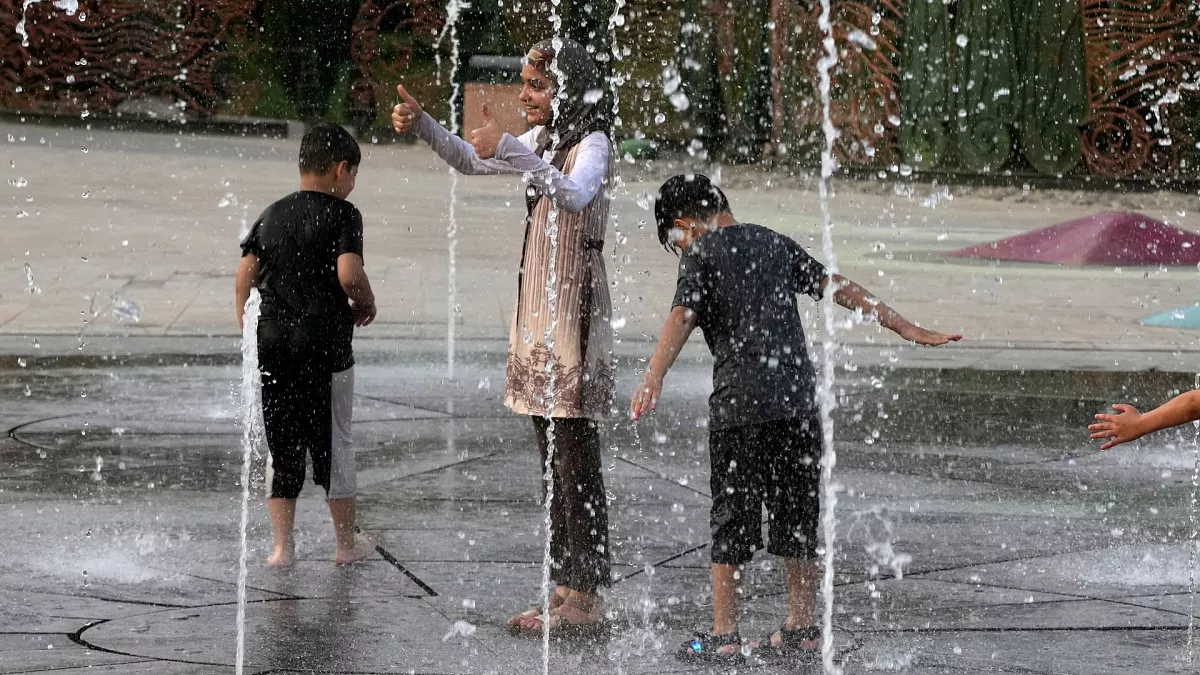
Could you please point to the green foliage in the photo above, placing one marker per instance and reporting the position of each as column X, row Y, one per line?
column 274, row 103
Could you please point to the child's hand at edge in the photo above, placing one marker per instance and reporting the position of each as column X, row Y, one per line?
column 645, row 397
column 923, row 336
column 1123, row 427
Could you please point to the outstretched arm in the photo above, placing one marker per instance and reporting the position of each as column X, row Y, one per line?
column 571, row 191
column 459, row 154
column 854, row 297
column 247, row 278
column 1129, row 425
column 680, row 323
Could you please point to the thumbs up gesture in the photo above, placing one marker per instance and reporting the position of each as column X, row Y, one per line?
column 486, row 138
column 407, row 113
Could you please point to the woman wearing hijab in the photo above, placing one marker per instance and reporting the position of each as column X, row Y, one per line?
column 565, row 159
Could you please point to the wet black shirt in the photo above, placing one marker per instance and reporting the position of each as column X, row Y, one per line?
column 298, row 240
column 742, row 282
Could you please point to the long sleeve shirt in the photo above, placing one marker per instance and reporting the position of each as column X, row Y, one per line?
column 571, row 191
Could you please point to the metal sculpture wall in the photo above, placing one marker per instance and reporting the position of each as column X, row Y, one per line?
column 1053, row 86
column 1143, row 59
column 387, row 35
column 109, row 51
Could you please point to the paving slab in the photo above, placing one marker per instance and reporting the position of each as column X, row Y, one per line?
column 977, row 529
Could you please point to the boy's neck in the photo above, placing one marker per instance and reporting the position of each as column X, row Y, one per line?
column 724, row 219
column 314, row 183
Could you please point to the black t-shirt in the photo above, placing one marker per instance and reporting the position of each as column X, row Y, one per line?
column 742, row 282
column 298, row 240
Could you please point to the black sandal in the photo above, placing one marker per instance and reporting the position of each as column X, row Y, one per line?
column 791, row 642
column 706, row 647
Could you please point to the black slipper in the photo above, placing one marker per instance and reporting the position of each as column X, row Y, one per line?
column 791, row 643
column 706, row 647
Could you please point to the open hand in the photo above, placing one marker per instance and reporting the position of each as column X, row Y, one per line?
column 406, row 113
column 486, row 138
column 923, row 336
column 1123, row 427
column 645, row 397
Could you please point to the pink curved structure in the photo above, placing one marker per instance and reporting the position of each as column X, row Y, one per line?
column 1111, row 238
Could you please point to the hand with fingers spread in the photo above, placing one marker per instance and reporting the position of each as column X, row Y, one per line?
column 407, row 113
column 645, row 397
column 1127, row 425
column 486, row 139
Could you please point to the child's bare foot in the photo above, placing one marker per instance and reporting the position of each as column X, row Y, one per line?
column 556, row 599
column 282, row 556
column 578, row 610
column 363, row 547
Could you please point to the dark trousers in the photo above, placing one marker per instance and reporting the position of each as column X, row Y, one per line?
column 579, row 554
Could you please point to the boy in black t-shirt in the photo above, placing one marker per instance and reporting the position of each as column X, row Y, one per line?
column 738, row 282
column 304, row 254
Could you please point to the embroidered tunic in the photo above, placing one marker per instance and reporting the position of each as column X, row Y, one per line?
column 561, row 364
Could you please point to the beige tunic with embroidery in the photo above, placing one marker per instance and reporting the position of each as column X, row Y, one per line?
column 564, row 357
column 558, row 364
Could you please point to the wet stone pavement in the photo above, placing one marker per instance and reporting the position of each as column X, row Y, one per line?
column 1022, row 549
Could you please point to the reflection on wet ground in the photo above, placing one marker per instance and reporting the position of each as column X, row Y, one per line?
column 1022, row 549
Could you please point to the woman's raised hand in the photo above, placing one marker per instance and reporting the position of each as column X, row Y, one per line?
column 406, row 114
column 487, row 138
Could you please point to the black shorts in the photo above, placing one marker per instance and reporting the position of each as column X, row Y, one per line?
column 306, row 413
column 776, row 463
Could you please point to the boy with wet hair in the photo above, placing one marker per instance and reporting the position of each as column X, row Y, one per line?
column 738, row 282
column 304, row 255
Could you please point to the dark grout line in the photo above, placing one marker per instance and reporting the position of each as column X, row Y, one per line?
column 440, row 467
column 663, row 477
column 287, row 596
column 383, row 552
column 664, row 561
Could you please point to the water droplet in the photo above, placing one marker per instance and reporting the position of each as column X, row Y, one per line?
column 644, row 200
column 961, row 40
column 30, row 287
column 125, row 310
column 660, row 118
column 84, row 149
column 19, row 182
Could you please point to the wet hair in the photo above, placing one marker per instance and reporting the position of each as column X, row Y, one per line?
column 686, row 196
column 325, row 146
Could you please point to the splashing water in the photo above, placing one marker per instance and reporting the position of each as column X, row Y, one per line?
column 453, row 10
column 1192, row 540
column 68, row 6
column 252, row 434
column 825, row 389
column 552, row 306
column 30, row 287
column 125, row 310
